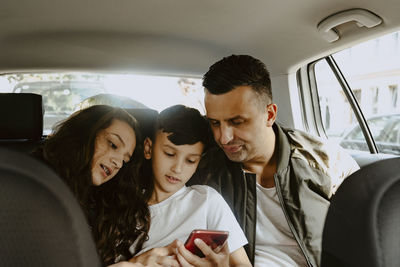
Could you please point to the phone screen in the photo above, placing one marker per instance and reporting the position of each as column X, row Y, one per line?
column 212, row 238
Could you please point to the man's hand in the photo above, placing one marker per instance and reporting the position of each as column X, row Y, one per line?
column 164, row 256
column 218, row 257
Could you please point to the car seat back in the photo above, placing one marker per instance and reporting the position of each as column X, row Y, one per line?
column 362, row 227
column 41, row 223
column 21, row 120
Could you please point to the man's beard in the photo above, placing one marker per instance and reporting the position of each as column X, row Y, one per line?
column 239, row 156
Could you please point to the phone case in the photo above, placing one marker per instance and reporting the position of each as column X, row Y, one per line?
column 212, row 238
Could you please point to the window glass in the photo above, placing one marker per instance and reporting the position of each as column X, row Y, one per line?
column 372, row 70
column 64, row 93
column 388, row 140
column 394, row 134
column 336, row 113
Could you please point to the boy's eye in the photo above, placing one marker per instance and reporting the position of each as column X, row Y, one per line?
column 169, row 154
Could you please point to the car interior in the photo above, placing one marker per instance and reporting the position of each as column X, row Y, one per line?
column 334, row 65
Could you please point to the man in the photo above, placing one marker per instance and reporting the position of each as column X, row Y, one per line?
column 278, row 181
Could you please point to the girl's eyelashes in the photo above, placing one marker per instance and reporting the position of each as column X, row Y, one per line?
column 112, row 145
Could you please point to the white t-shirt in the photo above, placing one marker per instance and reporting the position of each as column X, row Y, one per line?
column 195, row 207
column 275, row 243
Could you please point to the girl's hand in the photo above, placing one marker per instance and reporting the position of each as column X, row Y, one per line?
column 164, row 256
column 126, row 264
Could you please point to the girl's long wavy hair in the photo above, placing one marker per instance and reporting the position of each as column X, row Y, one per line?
column 116, row 210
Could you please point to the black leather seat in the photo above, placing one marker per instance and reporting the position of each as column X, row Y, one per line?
column 146, row 118
column 362, row 227
column 41, row 223
column 21, row 121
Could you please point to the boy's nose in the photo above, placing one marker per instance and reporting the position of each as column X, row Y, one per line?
column 177, row 167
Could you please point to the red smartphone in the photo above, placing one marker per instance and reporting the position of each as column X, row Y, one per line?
column 212, row 238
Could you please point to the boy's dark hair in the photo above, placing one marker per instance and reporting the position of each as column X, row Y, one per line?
column 186, row 125
column 238, row 70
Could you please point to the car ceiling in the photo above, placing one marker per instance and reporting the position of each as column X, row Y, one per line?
column 174, row 37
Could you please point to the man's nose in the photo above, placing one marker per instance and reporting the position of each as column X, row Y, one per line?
column 226, row 134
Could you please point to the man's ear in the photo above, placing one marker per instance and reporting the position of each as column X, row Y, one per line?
column 147, row 148
column 272, row 110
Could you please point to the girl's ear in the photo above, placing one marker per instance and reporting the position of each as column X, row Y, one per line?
column 147, row 148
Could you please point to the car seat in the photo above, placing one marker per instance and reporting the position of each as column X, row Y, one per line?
column 41, row 223
column 21, row 121
column 146, row 117
column 362, row 227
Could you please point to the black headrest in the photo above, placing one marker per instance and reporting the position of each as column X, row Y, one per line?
column 146, row 118
column 362, row 227
column 41, row 223
column 21, row 116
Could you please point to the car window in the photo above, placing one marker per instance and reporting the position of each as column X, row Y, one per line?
column 64, row 93
column 394, row 134
column 372, row 72
column 377, row 127
column 336, row 113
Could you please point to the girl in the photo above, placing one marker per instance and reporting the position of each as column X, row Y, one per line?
column 97, row 152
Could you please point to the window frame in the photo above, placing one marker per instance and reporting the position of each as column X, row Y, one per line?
column 309, row 101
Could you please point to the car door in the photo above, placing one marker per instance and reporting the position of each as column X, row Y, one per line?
column 349, row 90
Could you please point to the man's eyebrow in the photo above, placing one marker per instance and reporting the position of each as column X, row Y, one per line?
column 236, row 117
column 123, row 143
column 228, row 119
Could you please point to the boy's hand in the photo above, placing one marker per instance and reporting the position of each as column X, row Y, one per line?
column 217, row 257
column 164, row 256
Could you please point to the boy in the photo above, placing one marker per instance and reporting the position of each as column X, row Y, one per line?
column 180, row 139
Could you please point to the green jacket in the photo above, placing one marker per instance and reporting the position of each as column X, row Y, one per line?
column 309, row 171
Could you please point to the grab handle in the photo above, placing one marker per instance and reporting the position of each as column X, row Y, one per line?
column 362, row 18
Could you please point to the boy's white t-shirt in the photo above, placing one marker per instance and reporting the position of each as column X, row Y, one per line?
column 195, row 207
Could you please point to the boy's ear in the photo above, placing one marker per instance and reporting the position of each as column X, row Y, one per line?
column 147, row 148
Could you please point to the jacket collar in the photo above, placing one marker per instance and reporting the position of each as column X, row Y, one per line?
column 282, row 148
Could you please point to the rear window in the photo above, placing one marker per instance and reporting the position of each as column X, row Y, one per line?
column 64, row 93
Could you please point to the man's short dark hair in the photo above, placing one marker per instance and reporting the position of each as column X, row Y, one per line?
column 238, row 70
column 186, row 125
